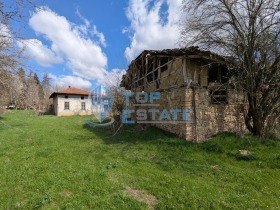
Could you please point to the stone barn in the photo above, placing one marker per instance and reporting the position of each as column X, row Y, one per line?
column 191, row 79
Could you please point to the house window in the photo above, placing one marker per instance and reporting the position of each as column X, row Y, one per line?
column 66, row 105
column 66, row 96
column 83, row 105
column 82, row 97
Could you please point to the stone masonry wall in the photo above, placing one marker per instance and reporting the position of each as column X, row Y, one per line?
column 207, row 119
column 215, row 118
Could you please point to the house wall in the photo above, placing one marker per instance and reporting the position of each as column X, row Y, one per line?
column 74, row 105
column 207, row 119
column 55, row 104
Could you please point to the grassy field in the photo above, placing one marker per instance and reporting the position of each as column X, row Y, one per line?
column 49, row 162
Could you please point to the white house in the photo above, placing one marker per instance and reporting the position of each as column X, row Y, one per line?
column 71, row 101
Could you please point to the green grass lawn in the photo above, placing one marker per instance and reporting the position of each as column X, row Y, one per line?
column 49, row 162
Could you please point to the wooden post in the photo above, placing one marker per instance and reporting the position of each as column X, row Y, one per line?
column 185, row 72
column 194, row 114
column 146, row 72
column 195, row 75
column 158, row 76
column 176, row 74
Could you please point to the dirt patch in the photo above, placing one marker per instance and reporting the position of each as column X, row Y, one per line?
column 66, row 193
column 244, row 152
column 142, row 196
column 21, row 204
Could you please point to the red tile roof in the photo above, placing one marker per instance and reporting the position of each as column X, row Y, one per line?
column 70, row 91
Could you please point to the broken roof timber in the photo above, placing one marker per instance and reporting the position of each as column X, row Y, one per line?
column 138, row 68
column 179, row 52
column 191, row 53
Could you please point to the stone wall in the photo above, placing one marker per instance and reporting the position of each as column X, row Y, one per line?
column 215, row 118
column 207, row 119
column 180, row 98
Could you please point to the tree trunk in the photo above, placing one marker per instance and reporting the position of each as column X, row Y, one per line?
column 253, row 119
column 248, row 116
column 259, row 124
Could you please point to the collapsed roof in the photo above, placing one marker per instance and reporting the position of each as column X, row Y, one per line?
column 138, row 66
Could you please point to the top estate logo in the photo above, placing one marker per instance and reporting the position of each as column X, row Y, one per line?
column 143, row 100
column 145, row 110
column 102, row 100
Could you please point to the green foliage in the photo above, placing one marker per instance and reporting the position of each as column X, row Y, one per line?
column 210, row 146
column 111, row 165
column 50, row 162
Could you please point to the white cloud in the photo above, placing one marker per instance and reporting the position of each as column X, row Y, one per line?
column 153, row 29
column 39, row 52
column 66, row 81
column 86, row 27
column 79, row 46
column 100, row 36
column 86, row 21
column 71, row 41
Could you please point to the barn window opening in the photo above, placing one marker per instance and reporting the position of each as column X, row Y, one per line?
column 66, row 106
column 218, row 96
column 150, row 67
column 140, row 82
column 159, row 65
column 218, row 73
column 66, row 96
column 157, row 84
column 150, row 77
column 82, row 97
column 164, row 61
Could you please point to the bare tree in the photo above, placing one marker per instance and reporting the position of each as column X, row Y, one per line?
column 10, row 54
column 4, row 87
column 8, row 62
column 248, row 32
column 22, row 84
column 32, row 98
column 11, row 11
column 47, row 90
column 113, row 83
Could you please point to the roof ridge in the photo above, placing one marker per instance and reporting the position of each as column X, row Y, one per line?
column 71, row 91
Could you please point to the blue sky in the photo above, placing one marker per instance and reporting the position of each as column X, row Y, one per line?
column 84, row 43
